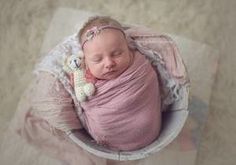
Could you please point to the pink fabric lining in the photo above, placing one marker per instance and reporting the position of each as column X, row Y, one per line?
column 164, row 46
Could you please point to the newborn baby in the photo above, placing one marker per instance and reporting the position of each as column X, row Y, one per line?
column 124, row 114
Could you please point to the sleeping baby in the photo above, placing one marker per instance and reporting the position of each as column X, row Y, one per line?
column 124, row 113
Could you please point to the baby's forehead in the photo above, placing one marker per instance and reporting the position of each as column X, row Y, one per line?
column 111, row 35
column 109, row 39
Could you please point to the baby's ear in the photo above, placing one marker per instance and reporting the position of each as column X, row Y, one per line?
column 83, row 65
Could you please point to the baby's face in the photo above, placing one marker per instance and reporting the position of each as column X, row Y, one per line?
column 107, row 55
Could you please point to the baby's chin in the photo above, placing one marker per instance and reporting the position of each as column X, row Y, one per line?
column 111, row 75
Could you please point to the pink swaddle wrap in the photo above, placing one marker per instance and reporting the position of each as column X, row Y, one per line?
column 125, row 112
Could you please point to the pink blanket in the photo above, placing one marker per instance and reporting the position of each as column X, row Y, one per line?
column 125, row 112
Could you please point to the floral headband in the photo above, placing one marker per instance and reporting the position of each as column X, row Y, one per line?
column 94, row 31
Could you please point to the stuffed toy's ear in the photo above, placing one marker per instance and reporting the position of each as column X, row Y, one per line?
column 66, row 67
column 81, row 54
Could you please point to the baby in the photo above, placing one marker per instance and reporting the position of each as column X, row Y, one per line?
column 124, row 114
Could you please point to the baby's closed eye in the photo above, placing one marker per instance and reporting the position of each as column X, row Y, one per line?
column 96, row 60
column 117, row 53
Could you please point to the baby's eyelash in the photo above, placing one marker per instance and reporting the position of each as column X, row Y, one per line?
column 96, row 60
column 117, row 53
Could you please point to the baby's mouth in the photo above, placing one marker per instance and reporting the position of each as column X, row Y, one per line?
column 110, row 72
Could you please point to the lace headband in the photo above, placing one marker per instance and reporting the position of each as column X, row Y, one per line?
column 94, row 31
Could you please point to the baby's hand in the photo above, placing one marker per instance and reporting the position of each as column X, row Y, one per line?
column 89, row 77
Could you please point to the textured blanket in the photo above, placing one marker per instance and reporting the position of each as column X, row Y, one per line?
column 125, row 112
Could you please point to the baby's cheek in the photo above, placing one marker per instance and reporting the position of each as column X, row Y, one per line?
column 126, row 62
column 95, row 71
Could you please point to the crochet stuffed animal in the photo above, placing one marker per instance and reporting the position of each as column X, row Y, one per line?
column 73, row 65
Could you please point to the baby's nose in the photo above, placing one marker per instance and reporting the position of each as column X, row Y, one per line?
column 109, row 63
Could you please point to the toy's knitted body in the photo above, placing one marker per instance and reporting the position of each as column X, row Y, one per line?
column 83, row 89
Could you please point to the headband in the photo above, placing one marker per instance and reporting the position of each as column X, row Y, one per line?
column 94, row 31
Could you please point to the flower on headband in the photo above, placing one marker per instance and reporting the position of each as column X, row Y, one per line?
column 92, row 32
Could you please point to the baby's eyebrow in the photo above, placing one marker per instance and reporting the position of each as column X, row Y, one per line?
column 99, row 55
column 96, row 56
column 116, row 50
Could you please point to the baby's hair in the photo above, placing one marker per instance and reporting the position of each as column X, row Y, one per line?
column 97, row 21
